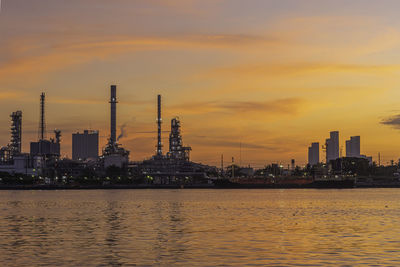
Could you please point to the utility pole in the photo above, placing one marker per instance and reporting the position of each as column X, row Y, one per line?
column 240, row 154
column 222, row 164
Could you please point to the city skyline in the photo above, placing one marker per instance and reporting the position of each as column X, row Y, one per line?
column 267, row 77
column 85, row 144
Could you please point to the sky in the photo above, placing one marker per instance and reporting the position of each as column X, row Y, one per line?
column 257, row 80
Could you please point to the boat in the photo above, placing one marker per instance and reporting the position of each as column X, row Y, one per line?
column 286, row 182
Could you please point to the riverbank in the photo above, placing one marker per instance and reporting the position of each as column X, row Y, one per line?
column 193, row 186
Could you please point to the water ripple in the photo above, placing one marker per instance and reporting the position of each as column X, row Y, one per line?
column 200, row 228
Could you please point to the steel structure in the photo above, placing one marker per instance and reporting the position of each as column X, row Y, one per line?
column 176, row 148
column 42, row 122
column 16, row 132
column 43, row 147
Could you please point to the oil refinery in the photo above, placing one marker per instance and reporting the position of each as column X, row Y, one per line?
column 44, row 160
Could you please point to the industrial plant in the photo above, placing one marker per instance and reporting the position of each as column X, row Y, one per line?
column 174, row 166
column 43, row 165
column 44, row 159
column 43, row 154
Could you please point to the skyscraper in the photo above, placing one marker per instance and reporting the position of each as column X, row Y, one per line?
column 313, row 154
column 85, row 145
column 332, row 146
column 353, row 147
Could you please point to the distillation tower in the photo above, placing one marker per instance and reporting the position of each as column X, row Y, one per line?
column 16, row 133
column 176, row 148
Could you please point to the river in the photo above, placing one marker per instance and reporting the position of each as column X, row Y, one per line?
column 203, row 227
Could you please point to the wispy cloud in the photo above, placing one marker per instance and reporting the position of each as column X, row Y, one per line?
column 392, row 121
column 273, row 70
column 41, row 55
column 10, row 95
column 94, row 101
column 210, row 142
column 278, row 106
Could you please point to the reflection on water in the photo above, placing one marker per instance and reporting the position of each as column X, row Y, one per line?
column 200, row 227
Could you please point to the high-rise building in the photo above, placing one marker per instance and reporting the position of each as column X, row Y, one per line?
column 353, row 147
column 332, row 146
column 313, row 154
column 348, row 148
column 85, row 145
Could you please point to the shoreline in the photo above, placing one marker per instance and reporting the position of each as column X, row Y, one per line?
column 198, row 186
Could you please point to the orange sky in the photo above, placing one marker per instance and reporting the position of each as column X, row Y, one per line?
column 273, row 76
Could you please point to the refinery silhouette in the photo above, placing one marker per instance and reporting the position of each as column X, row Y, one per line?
column 44, row 166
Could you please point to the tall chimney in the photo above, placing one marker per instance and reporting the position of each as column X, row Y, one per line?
column 159, row 122
column 113, row 102
column 42, row 123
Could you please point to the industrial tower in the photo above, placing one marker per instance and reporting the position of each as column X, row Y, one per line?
column 16, row 133
column 43, row 147
column 113, row 154
column 176, row 148
column 113, row 120
column 42, row 122
column 159, row 122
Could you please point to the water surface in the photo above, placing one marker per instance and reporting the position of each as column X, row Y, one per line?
column 200, row 227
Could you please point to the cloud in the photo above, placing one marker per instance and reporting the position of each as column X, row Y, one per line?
column 393, row 121
column 223, row 142
column 171, row 42
column 93, row 101
column 279, row 106
column 303, row 68
column 44, row 53
column 10, row 95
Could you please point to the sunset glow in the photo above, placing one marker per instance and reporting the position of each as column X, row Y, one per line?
column 256, row 80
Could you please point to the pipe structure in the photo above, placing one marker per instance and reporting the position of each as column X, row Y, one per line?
column 57, row 134
column 113, row 102
column 16, row 132
column 159, row 122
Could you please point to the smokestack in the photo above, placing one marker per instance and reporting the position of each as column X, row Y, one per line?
column 113, row 102
column 159, row 121
column 42, row 123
